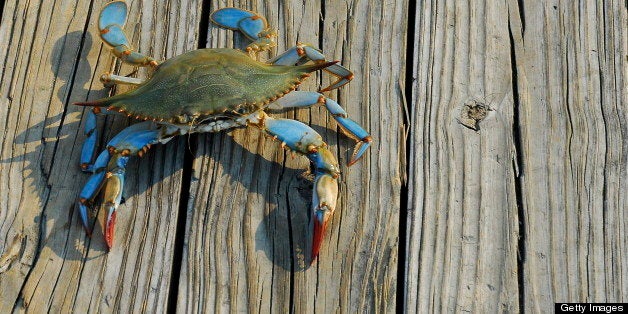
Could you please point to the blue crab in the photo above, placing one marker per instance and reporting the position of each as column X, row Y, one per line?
column 210, row 90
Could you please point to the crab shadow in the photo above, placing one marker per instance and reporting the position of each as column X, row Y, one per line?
column 287, row 203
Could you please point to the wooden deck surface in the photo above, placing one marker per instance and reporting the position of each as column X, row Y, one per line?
column 496, row 183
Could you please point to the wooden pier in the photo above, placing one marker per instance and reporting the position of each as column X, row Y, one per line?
column 497, row 181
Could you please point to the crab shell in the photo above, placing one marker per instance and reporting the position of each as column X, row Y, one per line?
column 203, row 83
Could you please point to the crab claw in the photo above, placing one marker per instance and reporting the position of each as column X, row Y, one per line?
column 323, row 206
column 110, row 226
column 113, row 196
column 109, row 169
column 301, row 138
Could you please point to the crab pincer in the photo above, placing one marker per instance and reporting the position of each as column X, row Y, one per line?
column 299, row 137
column 109, row 170
column 112, row 196
column 324, row 199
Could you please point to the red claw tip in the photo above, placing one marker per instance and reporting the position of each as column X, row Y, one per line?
column 319, row 232
column 109, row 230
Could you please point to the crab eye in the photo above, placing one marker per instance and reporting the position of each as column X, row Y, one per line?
column 241, row 111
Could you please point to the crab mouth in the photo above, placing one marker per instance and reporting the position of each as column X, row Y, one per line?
column 214, row 123
column 213, row 119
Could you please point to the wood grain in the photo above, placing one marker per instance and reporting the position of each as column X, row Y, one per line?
column 541, row 179
column 247, row 231
column 572, row 66
column 462, row 212
column 517, row 167
column 53, row 58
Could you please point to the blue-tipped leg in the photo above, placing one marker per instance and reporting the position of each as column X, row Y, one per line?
column 289, row 57
column 252, row 25
column 111, row 21
column 89, row 192
column 89, row 146
column 92, row 187
column 136, row 141
column 129, row 132
column 110, row 26
column 303, row 139
column 301, row 99
column 114, row 13
column 109, row 169
column 114, row 36
column 351, row 128
column 230, row 17
column 294, row 134
column 101, row 162
column 302, row 53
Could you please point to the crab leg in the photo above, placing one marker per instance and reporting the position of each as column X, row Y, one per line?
column 92, row 187
column 301, row 138
column 109, row 80
column 304, row 52
column 89, row 146
column 99, row 169
column 252, row 25
column 110, row 167
column 112, row 196
column 299, row 99
column 110, row 23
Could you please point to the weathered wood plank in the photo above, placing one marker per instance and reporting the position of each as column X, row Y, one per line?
column 462, row 215
column 51, row 62
column 358, row 269
column 573, row 91
column 246, row 238
column 553, row 74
